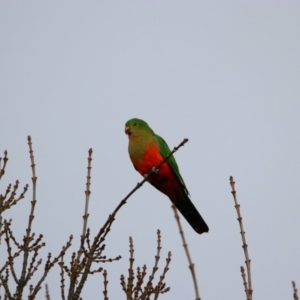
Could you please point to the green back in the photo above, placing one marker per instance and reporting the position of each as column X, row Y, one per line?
column 165, row 151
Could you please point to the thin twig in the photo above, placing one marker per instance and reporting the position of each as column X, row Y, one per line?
column 149, row 286
column 4, row 283
column 244, row 279
column 249, row 291
column 134, row 290
column 185, row 246
column 62, row 278
column 162, row 277
column 157, row 257
column 50, row 264
column 47, row 292
column 130, row 270
column 87, row 192
column 11, row 257
column 105, row 282
column 76, row 266
column 295, row 291
column 28, row 238
column 2, row 168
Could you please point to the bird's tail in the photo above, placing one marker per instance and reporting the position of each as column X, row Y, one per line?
column 190, row 213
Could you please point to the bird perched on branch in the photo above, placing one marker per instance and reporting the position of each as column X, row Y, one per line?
column 147, row 150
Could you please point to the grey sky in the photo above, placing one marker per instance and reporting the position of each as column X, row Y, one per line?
column 223, row 74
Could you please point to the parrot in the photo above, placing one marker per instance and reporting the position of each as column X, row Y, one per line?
column 146, row 150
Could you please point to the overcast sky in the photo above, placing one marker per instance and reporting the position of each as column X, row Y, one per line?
column 226, row 75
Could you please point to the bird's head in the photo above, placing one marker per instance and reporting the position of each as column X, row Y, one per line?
column 135, row 127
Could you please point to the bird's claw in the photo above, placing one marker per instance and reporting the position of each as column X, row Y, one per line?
column 153, row 170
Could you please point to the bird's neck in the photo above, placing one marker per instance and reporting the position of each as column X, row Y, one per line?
column 138, row 144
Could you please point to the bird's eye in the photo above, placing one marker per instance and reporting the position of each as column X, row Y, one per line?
column 134, row 124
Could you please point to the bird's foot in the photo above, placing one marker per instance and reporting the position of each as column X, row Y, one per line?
column 155, row 170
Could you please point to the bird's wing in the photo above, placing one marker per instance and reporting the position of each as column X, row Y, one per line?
column 165, row 151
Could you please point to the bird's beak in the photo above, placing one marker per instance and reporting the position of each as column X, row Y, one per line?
column 127, row 130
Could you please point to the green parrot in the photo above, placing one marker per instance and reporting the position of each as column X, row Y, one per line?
column 147, row 150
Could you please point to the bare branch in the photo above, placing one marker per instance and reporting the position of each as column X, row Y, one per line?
column 105, row 282
column 249, row 290
column 134, row 290
column 48, row 266
column 62, row 278
column 244, row 279
column 161, row 284
column 30, row 245
column 157, row 257
column 185, row 246
column 8, row 199
column 87, row 192
column 47, row 292
column 28, row 238
column 295, row 291
column 2, row 166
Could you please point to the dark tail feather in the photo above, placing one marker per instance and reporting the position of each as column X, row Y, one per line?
column 190, row 213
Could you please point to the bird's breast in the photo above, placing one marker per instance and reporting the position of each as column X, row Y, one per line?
column 149, row 158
